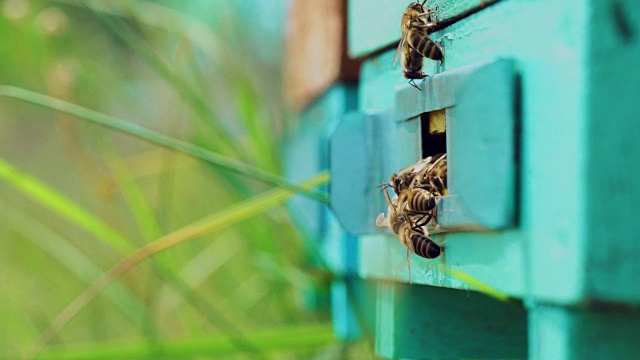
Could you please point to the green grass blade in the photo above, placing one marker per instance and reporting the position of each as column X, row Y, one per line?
column 163, row 17
column 225, row 218
column 134, row 198
column 476, row 284
column 148, row 224
column 74, row 260
column 292, row 339
column 61, row 205
column 154, row 137
column 219, row 137
column 49, row 198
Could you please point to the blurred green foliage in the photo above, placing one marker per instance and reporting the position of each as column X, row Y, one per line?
column 207, row 72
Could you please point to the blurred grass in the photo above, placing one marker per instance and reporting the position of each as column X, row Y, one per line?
column 215, row 222
column 194, row 70
column 62, row 206
column 291, row 339
column 153, row 137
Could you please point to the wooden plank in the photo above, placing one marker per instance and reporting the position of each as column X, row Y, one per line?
column 424, row 322
column 316, row 50
column 550, row 237
column 576, row 334
column 307, row 151
column 375, row 24
column 611, row 189
column 495, row 259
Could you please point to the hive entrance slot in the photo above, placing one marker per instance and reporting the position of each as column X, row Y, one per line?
column 433, row 128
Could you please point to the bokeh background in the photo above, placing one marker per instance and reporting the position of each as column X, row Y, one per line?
column 208, row 72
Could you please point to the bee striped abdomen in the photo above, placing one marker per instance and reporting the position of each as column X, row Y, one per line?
column 421, row 200
column 412, row 64
column 425, row 247
column 426, row 47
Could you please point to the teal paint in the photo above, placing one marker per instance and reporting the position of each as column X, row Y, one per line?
column 374, row 24
column 307, row 154
column 307, row 151
column 612, row 167
column 481, row 153
column 576, row 334
column 576, row 242
column 351, row 156
column 425, row 322
column 552, row 155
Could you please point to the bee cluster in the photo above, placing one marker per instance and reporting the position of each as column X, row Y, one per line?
column 413, row 206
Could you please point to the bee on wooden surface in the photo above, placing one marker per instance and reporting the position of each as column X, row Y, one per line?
column 415, row 43
column 420, row 205
column 422, row 244
column 401, row 219
column 402, row 180
column 419, row 175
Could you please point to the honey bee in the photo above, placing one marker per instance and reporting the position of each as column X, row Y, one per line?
column 401, row 180
column 434, row 176
column 420, row 205
column 400, row 219
column 419, row 201
column 415, row 43
column 406, row 178
column 423, row 245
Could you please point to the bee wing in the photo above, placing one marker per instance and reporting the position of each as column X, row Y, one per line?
column 382, row 221
column 420, row 165
column 400, row 46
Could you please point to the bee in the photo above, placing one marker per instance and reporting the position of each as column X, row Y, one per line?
column 403, row 179
column 401, row 221
column 406, row 178
column 415, row 43
column 420, row 205
column 419, row 201
column 422, row 245
column 434, row 176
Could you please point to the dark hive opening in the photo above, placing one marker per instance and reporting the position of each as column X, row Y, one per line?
column 434, row 137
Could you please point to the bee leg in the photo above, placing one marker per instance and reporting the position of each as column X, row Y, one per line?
column 409, row 266
column 438, row 184
column 384, row 186
column 412, row 83
column 424, row 220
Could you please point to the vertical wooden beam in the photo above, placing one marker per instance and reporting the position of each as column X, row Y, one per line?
column 316, row 50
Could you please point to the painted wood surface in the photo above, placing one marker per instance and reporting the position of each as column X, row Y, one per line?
column 425, row 322
column 576, row 334
column 375, row 24
column 611, row 190
column 307, row 154
column 549, row 236
column 574, row 250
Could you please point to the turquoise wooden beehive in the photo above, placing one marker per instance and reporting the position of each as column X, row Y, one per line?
column 539, row 98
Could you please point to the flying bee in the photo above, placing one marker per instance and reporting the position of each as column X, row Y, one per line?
column 415, row 43
column 434, row 176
